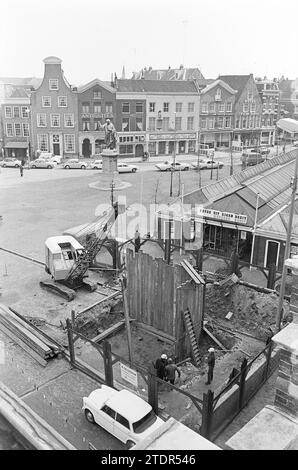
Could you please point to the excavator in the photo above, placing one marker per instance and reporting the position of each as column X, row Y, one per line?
column 68, row 260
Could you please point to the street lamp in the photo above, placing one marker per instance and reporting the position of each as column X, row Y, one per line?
column 174, row 158
column 28, row 138
column 291, row 126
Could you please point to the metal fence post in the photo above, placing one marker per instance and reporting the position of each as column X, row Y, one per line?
column 243, row 371
column 152, row 388
column 108, row 366
column 207, row 414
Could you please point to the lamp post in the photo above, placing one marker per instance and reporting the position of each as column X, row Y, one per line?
column 231, row 154
column 291, row 126
column 28, row 138
column 198, row 164
column 174, row 158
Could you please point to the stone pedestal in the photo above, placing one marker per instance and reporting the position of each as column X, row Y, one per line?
column 109, row 173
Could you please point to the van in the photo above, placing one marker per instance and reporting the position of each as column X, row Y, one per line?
column 249, row 158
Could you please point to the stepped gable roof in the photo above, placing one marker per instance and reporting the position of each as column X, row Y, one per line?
column 156, row 86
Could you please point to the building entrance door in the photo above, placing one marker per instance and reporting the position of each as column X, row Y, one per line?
column 86, row 148
column 272, row 253
column 56, row 149
column 139, row 150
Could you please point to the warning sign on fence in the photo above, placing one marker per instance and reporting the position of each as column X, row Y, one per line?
column 128, row 374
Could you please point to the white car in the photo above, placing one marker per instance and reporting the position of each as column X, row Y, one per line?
column 51, row 157
column 208, row 163
column 171, row 166
column 96, row 165
column 125, row 168
column 74, row 164
column 10, row 163
column 122, row 413
column 40, row 163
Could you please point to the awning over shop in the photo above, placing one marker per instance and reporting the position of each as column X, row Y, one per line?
column 16, row 145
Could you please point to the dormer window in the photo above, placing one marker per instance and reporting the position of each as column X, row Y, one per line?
column 53, row 84
column 97, row 95
column 218, row 94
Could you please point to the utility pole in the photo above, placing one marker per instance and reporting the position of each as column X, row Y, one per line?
column 112, row 192
column 287, row 249
column 174, row 160
column 198, row 165
column 231, row 155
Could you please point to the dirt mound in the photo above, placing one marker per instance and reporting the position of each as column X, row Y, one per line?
column 253, row 311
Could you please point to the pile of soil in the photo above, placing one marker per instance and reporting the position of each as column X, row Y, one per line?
column 100, row 318
column 253, row 312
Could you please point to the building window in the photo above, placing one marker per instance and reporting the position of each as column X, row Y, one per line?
column 68, row 120
column 152, row 123
column 211, row 123
column 86, row 126
column 245, row 107
column 17, row 129
column 204, row 123
column 212, row 107
column 204, row 108
column 62, row 101
column 125, row 108
column 8, row 112
column 166, row 107
column 109, row 108
column 97, row 107
column 237, row 123
column 220, row 123
column 218, row 94
column 16, row 112
column 125, row 149
column 249, row 96
column 152, row 107
column 139, row 124
column 244, row 123
column 25, row 111
column 46, row 101
column 69, row 143
column 85, row 108
column 97, row 125
column 178, row 107
column 42, row 140
column 25, row 129
column 190, row 122
column 55, row 120
column 9, row 130
column 178, row 123
column 41, row 120
column 253, row 107
column 229, row 107
column 165, row 123
column 139, row 107
column 125, row 124
column 221, row 108
column 53, row 84
column 228, row 121
column 97, row 95
column 191, row 107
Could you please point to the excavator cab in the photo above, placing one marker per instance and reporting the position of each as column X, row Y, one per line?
column 61, row 254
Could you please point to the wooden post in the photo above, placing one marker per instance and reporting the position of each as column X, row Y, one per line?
column 70, row 342
column 243, row 371
column 108, row 366
column 207, row 414
column 127, row 323
column 73, row 318
column 152, row 388
column 271, row 276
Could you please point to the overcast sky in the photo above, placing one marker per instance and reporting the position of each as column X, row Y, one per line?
column 95, row 38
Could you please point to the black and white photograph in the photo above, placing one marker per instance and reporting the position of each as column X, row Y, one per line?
column 149, row 229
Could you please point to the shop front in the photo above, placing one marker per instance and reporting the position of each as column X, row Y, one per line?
column 16, row 150
column 131, row 145
column 170, row 143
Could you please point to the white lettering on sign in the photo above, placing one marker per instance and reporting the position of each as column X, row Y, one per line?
column 227, row 216
column 128, row 374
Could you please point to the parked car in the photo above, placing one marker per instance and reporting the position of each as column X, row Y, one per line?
column 251, row 158
column 50, row 156
column 125, row 168
column 75, row 164
column 96, row 165
column 262, row 150
column 171, row 166
column 40, row 163
column 122, row 413
column 10, row 162
column 207, row 163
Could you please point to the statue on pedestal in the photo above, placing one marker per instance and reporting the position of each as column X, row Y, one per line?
column 110, row 134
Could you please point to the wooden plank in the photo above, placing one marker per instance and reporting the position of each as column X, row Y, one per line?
column 109, row 331
column 23, row 345
column 192, row 272
column 112, row 296
column 155, row 332
column 213, row 338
